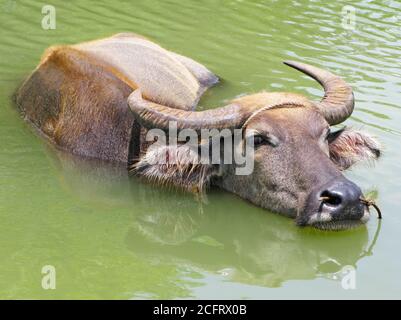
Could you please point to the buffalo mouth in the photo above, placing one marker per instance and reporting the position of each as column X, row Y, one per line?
column 339, row 225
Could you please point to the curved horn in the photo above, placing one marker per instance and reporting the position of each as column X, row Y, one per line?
column 153, row 115
column 338, row 101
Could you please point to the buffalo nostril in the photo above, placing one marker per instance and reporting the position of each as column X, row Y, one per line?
column 330, row 198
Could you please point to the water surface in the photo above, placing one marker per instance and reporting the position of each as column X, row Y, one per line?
column 109, row 237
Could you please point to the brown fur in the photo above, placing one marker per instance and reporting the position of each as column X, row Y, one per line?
column 78, row 105
column 79, row 101
column 174, row 165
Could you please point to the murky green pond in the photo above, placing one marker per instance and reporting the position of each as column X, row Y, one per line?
column 111, row 237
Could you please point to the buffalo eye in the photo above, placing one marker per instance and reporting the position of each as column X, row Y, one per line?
column 260, row 140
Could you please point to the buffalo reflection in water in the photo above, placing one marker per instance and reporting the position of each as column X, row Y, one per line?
column 220, row 235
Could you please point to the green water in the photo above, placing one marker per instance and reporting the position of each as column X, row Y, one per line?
column 109, row 237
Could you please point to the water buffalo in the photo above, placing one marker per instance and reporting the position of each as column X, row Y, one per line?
column 99, row 99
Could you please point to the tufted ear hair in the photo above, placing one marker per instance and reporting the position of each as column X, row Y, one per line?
column 347, row 147
column 175, row 165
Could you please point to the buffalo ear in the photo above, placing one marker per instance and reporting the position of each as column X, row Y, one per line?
column 348, row 147
column 175, row 165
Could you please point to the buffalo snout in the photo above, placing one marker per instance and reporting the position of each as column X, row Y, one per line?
column 334, row 205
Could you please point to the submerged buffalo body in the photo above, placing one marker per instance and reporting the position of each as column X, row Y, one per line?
column 99, row 99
